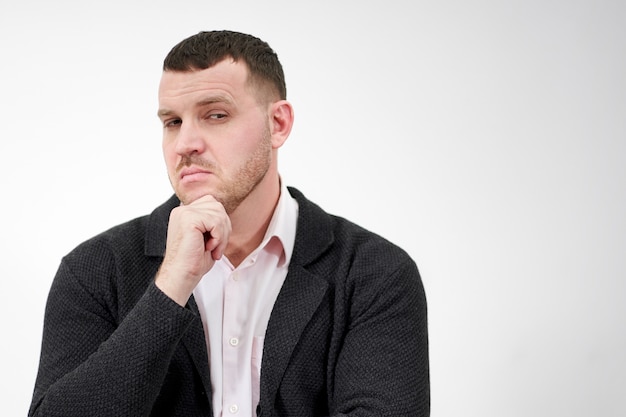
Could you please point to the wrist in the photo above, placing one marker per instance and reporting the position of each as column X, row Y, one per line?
column 173, row 288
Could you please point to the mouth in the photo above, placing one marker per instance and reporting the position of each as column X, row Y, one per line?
column 192, row 174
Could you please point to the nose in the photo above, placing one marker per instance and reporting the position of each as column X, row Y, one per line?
column 189, row 139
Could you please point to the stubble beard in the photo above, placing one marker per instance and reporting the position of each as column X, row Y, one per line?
column 234, row 190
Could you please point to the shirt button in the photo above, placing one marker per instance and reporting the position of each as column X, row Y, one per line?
column 233, row 341
column 235, row 276
column 233, row 409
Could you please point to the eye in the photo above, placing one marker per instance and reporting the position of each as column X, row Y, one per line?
column 172, row 123
column 216, row 116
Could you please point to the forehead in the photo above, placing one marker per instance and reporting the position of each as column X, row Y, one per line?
column 227, row 78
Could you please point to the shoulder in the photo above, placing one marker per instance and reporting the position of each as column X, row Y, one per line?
column 366, row 274
column 121, row 260
column 99, row 265
column 334, row 243
column 126, row 238
column 129, row 239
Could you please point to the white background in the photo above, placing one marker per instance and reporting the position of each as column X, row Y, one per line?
column 487, row 138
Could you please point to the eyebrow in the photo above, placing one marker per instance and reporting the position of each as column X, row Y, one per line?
column 202, row 103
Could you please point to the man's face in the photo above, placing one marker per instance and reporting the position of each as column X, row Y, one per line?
column 216, row 136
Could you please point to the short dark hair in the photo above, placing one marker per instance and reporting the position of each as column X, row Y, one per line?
column 206, row 49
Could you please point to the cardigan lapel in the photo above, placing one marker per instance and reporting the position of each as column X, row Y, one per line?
column 297, row 301
column 299, row 297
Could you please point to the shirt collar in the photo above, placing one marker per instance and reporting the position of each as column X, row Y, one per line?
column 283, row 224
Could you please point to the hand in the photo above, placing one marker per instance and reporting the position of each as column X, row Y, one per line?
column 197, row 236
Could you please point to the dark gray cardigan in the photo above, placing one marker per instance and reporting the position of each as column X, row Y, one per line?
column 347, row 335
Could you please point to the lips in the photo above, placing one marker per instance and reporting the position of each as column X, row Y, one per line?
column 191, row 174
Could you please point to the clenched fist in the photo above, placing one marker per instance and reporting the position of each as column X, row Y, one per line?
column 197, row 236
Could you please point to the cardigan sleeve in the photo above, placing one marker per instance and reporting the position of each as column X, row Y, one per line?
column 382, row 368
column 92, row 365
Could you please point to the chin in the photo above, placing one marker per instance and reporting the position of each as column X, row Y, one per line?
column 189, row 197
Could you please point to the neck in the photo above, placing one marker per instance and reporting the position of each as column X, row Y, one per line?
column 251, row 219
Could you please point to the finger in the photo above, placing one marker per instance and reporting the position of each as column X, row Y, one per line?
column 218, row 240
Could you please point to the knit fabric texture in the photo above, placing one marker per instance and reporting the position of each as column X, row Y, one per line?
column 347, row 335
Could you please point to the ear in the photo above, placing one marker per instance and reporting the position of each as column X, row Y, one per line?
column 281, row 121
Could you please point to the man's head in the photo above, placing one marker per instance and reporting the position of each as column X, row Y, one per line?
column 224, row 116
column 206, row 49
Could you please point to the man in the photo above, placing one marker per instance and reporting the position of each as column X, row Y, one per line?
column 238, row 296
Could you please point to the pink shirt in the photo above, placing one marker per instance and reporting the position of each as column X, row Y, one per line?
column 235, row 306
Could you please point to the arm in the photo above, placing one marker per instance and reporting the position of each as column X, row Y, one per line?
column 96, row 363
column 91, row 366
column 382, row 367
